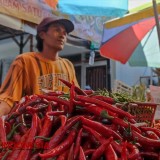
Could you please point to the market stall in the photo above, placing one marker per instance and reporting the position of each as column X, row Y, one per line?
column 83, row 124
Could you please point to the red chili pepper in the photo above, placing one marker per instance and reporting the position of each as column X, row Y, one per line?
column 152, row 135
column 56, row 113
column 31, row 102
column 153, row 155
column 140, row 158
column 11, row 121
column 77, row 144
column 2, row 154
column 117, row 147
column 45, row 131
column 5, row 156
column 94, row 141
column 35, row 156
column 3, row 137
column 89, row 151
column 98, row 136
column 72, row 96
column 112, row 126
column 124, row 124
column 147, row 148
column 110, row 153
column 100, row 128
column 105, row 105
column 133, row 127
column 70, row 153
column 132, row 121
column 14, row 108
column 98, row 111
column 155, row 130
column 124, row 152
column 61, row 147
column 56, row 99
column 41, row 107
column 25, row 121
column 81, row 154
column 31, row 109
column 105, row 99
column 134, row 152
column 87, row 144
column 63, row 108
column 68, row 84
column 18, row 146
column 22, row 129
column 63, row 155
column 39, row 127
column 25, row 154
column 144, row 140
column 19, row 104
column 89, row 92
column 22, row 107
column 36, row 108
column 54, row 93
column 58, row 135
column 16, row 137
column 63, row 120
column 7, row 127
column 100, row 150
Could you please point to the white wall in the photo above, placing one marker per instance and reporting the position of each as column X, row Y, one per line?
column 127, row 74
column 9, row 48
column 131, row 75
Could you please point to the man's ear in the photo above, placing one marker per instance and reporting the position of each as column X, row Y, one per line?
column 41, row 34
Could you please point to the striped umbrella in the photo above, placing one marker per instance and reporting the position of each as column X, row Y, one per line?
column 133, row 38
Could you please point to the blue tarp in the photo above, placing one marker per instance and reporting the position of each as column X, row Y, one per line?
column 109, row 8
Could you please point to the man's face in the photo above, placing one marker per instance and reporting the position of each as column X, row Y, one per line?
column 55, row 37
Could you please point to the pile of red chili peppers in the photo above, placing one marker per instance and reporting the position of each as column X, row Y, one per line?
column 75, row 126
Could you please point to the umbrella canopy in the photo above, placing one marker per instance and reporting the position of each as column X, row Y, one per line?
column 133, row 41
column 94, row 8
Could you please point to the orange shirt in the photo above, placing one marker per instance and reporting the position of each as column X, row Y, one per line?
column 30, row 73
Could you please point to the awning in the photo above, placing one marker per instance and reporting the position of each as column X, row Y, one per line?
column 28, row 10
column 17, row 24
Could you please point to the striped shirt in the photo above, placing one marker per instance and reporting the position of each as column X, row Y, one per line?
column 30, row 73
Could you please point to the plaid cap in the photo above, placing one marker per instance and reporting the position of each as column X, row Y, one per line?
column 69, row 26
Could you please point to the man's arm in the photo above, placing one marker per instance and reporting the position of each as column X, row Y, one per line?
column 4, row 108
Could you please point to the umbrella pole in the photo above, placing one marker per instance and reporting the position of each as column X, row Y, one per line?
column 156, row 19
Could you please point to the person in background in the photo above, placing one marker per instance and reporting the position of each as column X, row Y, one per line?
column 32, row 72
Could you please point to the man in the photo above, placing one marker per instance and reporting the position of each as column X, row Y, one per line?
column 32, row 72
